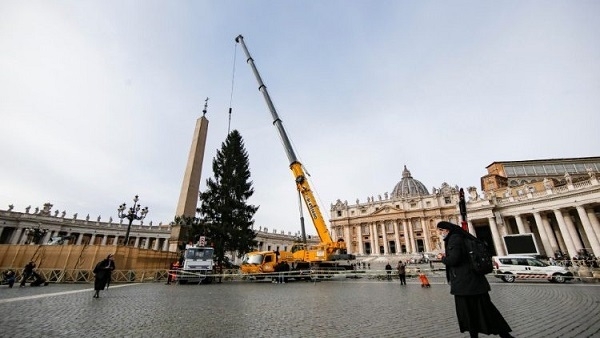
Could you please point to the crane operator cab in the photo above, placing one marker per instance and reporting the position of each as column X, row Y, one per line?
column 341, row 254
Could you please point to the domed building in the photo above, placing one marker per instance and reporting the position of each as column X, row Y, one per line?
column 554, row 201
column 402, row 222
column 408, row 186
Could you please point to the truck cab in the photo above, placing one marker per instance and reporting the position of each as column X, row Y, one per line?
column 197, row 265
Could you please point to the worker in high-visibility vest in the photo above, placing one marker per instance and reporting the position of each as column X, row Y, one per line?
column 171, row 276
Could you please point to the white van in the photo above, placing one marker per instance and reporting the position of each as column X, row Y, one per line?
column 511, row 268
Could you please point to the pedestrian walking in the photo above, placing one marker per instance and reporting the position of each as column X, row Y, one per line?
column 388, row 270
column 401, row 272
column 474, row 309
column 27, row 272
column 102, row 274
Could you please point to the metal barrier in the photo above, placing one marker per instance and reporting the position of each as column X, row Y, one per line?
column 158, row 275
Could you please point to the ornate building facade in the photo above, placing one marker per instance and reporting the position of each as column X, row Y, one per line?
column 557, row 200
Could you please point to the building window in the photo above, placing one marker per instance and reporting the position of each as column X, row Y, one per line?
column 447, row 200
column 413, row 205
column 529, row 170
column 550, row 169
column 352, row 212
column 339, row 213
column 428, row 204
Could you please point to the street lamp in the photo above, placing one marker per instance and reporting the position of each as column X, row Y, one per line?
column 132, row 214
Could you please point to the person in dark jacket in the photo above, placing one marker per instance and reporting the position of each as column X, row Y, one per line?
column 102, row 274
column 401, row 272
column 9, row 277
column 388, row 269
column 474, row 309
column 27, row 272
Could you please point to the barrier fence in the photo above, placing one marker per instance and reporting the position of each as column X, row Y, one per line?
column 160, row 275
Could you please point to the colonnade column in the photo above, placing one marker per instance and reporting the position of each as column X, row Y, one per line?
column 16, row 236
column 595, row 224
column 166, row 245
column 426, row 237
column 565, row 233
column 589, row 231
column 92, row 239
column 156, row 243
column 385, row 241
column 496, row 237
column 550, row 233
column 360, row 242
column 79, row 239
column 372, row 237
column 397, row 237
column 147, row 243
column 136, row 244
column 47, row 236
column 23, row 238
column 348, row 237
column 543, row 235
column 411, row 237
column 406, row 240
column 104, row 239
column 573, row 231
column 520, row 225
column 471, row 228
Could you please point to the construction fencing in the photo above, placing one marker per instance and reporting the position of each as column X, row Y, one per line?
column 75, row 263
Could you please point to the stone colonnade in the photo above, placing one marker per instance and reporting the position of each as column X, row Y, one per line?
column 88, row 236
column 568, row 230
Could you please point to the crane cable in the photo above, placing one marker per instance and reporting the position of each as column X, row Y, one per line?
column 232, row 86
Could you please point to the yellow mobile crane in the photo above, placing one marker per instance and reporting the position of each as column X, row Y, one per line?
column 327, row 252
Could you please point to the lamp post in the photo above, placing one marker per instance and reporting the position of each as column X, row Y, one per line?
column 132, row 214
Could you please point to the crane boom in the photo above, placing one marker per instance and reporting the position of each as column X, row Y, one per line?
column 301, row 182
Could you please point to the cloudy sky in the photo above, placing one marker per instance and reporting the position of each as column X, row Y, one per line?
column 98, row 99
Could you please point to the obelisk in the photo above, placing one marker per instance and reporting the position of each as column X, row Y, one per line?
column 188, row 198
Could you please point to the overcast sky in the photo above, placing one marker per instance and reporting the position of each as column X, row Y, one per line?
column 99, row 99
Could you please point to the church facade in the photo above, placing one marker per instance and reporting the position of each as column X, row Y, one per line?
column 556, row 200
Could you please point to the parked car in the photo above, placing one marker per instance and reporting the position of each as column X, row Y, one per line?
column 417, row 259
column 511, row 268
column 431, row 257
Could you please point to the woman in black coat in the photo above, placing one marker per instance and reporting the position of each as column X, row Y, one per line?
column 102, row 273
column 475, row 311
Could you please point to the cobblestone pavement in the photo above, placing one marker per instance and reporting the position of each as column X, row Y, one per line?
column 335, row 308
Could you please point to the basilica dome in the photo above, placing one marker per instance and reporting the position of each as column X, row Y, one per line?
column 408, row 186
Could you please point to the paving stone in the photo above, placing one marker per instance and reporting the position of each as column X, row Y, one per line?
column 333, row 308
